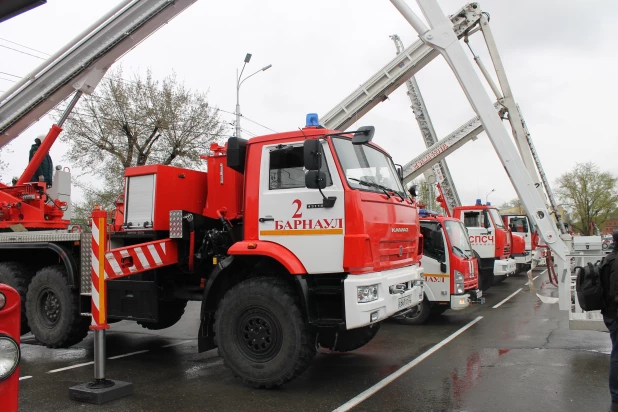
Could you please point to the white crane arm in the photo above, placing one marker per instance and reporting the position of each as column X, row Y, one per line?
column 394, row 74
column 82, row 63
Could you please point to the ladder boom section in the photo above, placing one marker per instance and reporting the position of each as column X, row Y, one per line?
column 394, row 74
column 428, row 132
column 444, row 147
column 82, row 66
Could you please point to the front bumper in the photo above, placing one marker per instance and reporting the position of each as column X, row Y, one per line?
column 459, row 302
column 524, row 260
column 388, row 302
column 504, row 267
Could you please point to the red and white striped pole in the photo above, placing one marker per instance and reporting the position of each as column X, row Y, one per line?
column 99, row 291
column 100, row 390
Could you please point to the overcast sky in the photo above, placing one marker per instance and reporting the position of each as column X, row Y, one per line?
column 560, row 56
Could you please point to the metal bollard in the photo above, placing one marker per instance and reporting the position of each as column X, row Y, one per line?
column 101, row 389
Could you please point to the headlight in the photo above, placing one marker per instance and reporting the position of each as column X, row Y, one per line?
column 2, row 300
column 459, row 282
column 366, row 294
column 459, row 277
column 9, row 356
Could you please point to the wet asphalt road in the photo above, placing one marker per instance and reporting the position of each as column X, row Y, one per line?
column 520, row 356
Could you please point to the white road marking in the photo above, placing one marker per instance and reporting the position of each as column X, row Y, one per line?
column 23, row 378
column 176, row 344
column 543, row 272
column 389, row 379
column 536, row 277
column 507, row 298
column 130, row 354
column 79, row 365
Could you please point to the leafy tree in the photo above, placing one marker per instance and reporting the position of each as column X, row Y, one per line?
column 134, row 123
column 589, row 195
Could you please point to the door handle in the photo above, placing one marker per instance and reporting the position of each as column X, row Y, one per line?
column 266, row 219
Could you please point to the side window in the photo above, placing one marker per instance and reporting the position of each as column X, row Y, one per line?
column 287, row 171
column 472, row 219
column 433, row 242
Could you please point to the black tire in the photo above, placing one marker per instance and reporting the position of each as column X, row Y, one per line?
column 261, row 333
column 170, row 313
column 348, row 340
column 17, row 276
column 53, row 309
column 417, row 316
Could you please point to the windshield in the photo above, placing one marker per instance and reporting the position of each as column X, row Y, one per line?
column 495, row 215
column 366, row 167
column 458, row 236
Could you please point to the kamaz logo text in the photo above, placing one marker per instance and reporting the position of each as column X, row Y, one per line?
column 399, row 230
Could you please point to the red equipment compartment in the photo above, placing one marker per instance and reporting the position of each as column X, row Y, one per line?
column 157, row 189
column 225, row 185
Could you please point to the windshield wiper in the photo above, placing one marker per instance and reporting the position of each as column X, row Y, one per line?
column 461, row 251
column 371, row 184
column 385, row 189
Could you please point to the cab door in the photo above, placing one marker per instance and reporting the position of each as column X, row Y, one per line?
column 293, row 216
column 435, row 258
column 482, row 232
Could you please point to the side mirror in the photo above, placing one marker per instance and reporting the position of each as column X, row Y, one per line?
column 314, row 179
column 399, row 169
column 312, row 155
column 363, row 135
column 443, row 267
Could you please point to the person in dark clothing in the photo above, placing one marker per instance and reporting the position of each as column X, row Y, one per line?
column 609, row 279
column 46, row 169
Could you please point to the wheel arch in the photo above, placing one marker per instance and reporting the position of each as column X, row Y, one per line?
column 233, row 270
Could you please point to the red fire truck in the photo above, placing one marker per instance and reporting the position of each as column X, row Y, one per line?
column 451, row 269
column 290, row 241
column 491, row 241
column 520, row 227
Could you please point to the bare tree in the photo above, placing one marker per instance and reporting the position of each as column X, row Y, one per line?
column 427, row 194
column 134, row 123
column 589, row 194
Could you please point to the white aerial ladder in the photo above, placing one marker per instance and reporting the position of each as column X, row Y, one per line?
column 445, row 180
column 81, row 64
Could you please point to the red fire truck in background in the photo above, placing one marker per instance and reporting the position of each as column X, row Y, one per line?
column 451, row 268
column 492, row 242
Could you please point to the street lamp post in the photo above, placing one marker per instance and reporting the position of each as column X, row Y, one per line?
column 488, row 193
column 238, row 83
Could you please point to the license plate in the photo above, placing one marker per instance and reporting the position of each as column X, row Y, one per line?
column 405, row 301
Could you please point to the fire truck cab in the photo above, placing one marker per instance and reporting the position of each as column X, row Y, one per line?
column 451, row 269
column 491, row 241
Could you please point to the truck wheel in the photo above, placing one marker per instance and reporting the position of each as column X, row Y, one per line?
column 417, row 316
column 170, row 312
column 486, row 279
column 17, row 276
column 261, row 334
column 53, row 309
column 349, row 340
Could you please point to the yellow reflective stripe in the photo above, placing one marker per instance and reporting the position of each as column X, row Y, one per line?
column 438, row 275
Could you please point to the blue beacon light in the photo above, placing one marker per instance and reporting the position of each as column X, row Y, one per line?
column 312, row 120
